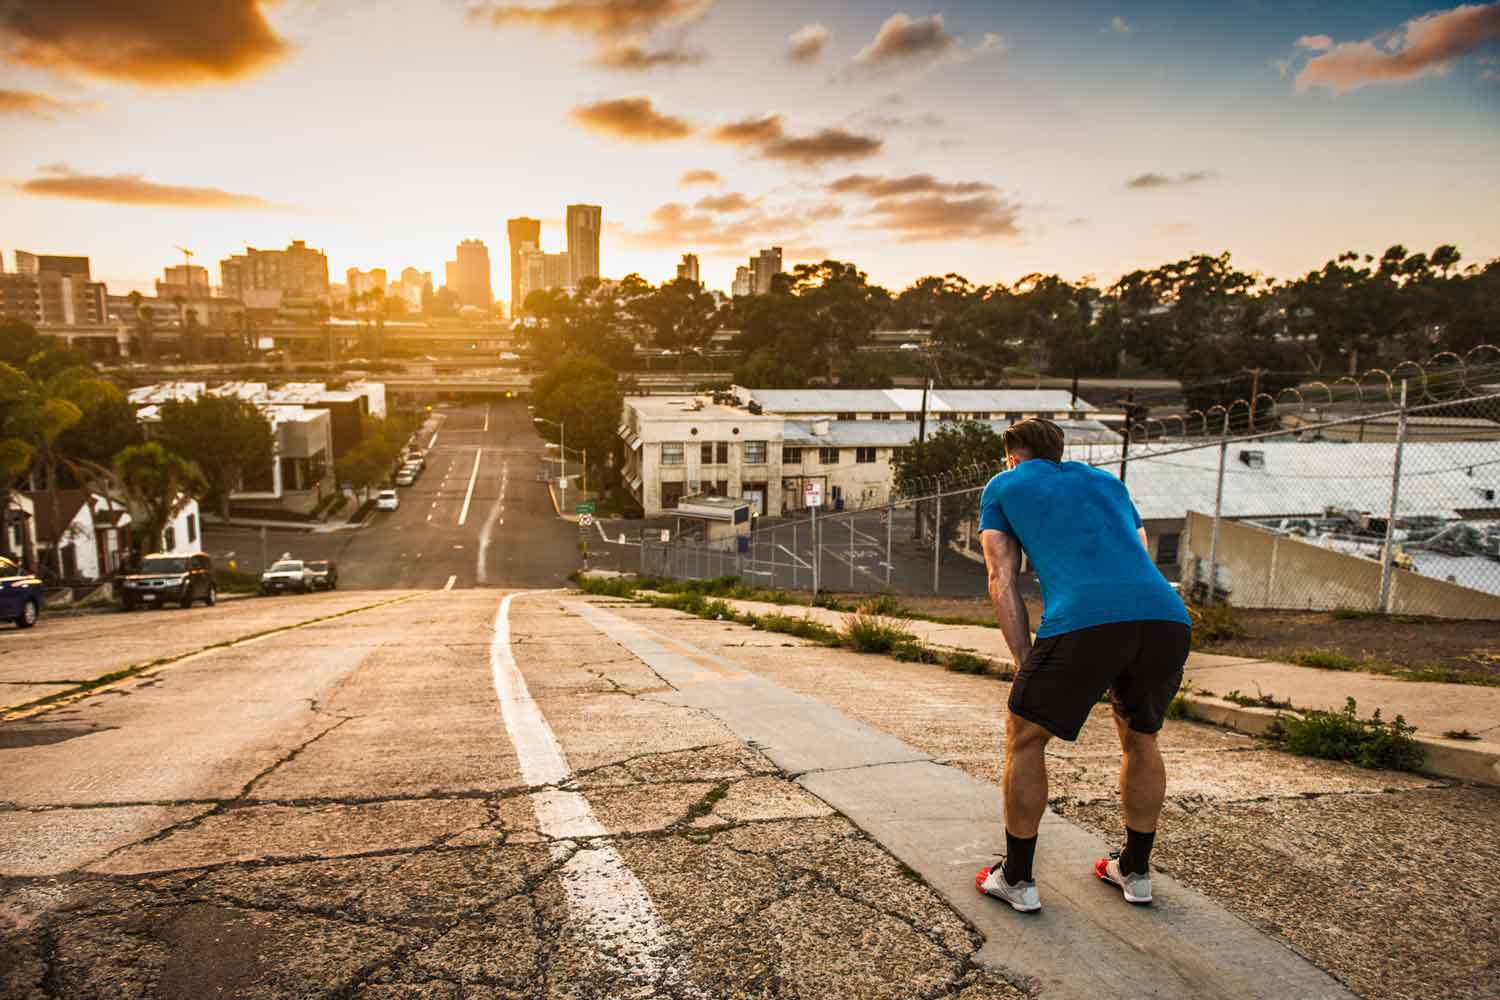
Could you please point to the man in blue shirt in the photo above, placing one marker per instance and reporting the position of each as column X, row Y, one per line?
column 1111, row 622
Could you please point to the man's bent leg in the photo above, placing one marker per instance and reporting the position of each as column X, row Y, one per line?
column 1143, row 788
column 1025, row 793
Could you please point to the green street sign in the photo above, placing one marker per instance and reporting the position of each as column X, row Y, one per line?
column 585, row 507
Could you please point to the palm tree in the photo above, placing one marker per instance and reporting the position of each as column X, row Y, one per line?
column 142, row 323
column 15, row 459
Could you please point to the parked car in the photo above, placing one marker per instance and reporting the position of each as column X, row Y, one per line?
column 163, row 578
column 415, row 456
column 387, row 500
column 407, row 476
column 286, row 574
column 325, row 574
column 21, row 597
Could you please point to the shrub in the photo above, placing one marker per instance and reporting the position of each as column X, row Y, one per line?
column 1325, row 659
column 911, row 651
column 1344, row 736
column 866, row 633
column 801, row 628
column 608, row 586
column 884, row 605
column 961, row 661
column 1214, row 623
column 1258, row 700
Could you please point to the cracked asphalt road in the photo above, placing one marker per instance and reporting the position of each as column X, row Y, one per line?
column 341, row 810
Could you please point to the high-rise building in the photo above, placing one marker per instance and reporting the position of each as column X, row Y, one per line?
column 521, row 231
column 411, row 286
column 689, row 268
column 297, row 272
column 53, row 290
column 540, row 270
column 744, row 282
column 468, row 275
column 184, row 281
column 362, row 283
column 584, row 224
column 765, row 266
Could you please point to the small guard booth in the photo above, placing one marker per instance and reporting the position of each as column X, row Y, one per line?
column 719, row 522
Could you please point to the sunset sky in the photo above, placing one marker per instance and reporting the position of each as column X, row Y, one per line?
column 992, row 139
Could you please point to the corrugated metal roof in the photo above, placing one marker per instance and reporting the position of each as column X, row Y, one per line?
column 901, row 433
column 791, row 401
column 1304, row 478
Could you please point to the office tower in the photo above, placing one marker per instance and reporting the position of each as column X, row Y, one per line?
column 539, row 270
column 689, row 268
column 185, row 281
column 744, row 282
column 468, row 275
column 362, row 283
column 56, row 291
column 521, row 231
column 297, row 272
column 765, row 266
column 584, row 223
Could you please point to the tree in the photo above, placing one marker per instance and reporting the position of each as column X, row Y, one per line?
column 160, row 483
column 581, row 393
column 839, row 309
column 572, row 368
column 952, row 449
column 767, row 369
column 682, row 317
column 41, row 405
column 224, row 436
column 143, row 325
column 18, row 342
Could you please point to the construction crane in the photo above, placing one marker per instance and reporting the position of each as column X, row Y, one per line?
column 187, row 256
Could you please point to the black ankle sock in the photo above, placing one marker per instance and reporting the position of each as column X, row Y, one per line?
column 1135, row 859
column 1018, row 854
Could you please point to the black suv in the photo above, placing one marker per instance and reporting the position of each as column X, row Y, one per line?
column 325, row 574
column 168, row 578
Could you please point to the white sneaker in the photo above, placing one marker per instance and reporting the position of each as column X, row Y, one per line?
column 1022, row 897
column 1137, row 888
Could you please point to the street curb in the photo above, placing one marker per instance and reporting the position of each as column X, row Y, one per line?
column 1477, row 761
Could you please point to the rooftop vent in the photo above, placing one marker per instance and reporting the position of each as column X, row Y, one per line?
column 1254, row 459
column 754, row 408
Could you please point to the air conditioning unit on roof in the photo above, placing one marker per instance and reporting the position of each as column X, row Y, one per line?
column 1253, row 459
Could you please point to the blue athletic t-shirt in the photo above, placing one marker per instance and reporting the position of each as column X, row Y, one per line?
column 1078, row 525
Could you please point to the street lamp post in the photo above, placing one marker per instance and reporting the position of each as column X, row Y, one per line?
column 562, row 454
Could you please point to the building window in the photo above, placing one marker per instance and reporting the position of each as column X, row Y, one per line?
column 192, row 527
column 670, row 494
column 791, row 456
column 1013, row 417
column 706, row 453
column 828, row 456
column 1166, row 548
column 755, row 453
column 864, row 456
column 880, row 416
column 848, row 416
column 169, row 536
column 914, row 416
column 715, row 453
column 671, row 453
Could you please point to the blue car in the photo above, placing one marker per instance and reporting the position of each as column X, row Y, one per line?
column 20, row 594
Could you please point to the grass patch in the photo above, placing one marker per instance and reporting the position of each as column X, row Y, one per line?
column 912, row 651
column 870, row 633
column 608, row 586
column 884, row 605
column 1327, row 659
column 961, row 661
column 1344, row 736
column 1359, row 615
column 1214, row 623
column 1259, row 699
column 705, row 805
column 800, row 628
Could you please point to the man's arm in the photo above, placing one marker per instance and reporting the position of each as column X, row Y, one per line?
column 1002, row 557
column 1144, row 540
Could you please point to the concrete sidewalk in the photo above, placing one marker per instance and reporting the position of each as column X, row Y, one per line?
column 1433, row 708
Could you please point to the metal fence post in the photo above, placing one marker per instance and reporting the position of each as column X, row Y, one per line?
column 937, row 540
column 1213, row 542
column 795, row 557
column 817, row 554
column 1388, row 553
column 643, row 552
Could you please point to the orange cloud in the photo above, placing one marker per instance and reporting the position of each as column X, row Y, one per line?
column 634, row 57
column 935, row 217
column 1423, row 45
column 691, row 177
column 133, row 189
column 1143, row 182
column 725, row 203
column 606, row 19
column 750, row 131
column 30, row 104
column 632, row 118
column 823, row 146
column 903, row 38
column 808, row 42
column 164, row 42
column 884, row 187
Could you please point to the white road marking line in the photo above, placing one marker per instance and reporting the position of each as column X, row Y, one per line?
column 451, row 581
column 433, row 443
column 429, row 517
column 463, row 515
column 486, row 417
column 800, row 561
column 616, row 912
column 481, row 567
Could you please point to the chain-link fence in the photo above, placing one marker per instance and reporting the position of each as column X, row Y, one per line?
column 1391, row 510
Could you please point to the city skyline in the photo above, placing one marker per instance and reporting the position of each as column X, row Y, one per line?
column 910, row 138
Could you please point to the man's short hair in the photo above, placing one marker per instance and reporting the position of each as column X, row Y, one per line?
column 1038, row 437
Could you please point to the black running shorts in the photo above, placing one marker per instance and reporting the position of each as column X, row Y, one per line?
column 1139, row 663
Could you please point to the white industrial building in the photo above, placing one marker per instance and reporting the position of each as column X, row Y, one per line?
column 787, row 449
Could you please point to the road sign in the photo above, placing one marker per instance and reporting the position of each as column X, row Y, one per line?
column 666, row 534
column 885, row 515
column 585, row 520
column 812, row 493
column 585, row 507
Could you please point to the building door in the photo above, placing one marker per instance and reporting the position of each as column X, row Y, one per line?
column 756, row 494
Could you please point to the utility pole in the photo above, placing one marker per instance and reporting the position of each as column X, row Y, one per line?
column 1129, row 405
column 1255, row 374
